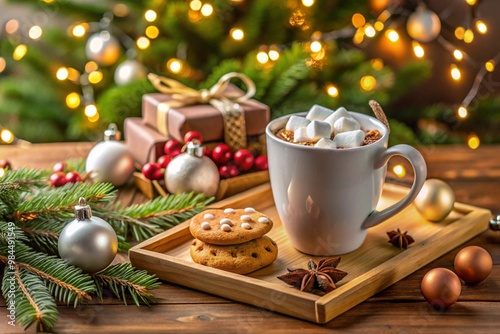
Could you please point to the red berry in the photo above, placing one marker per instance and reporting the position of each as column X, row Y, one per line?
column 57, row 179
column 208, row 152
column 191, row 135
column 171, row 146
column 261, row 163
column 5, row 164
column 73, row 177
column 164, row 160
column 244, row 158
column 228, row 171
column 152, row 171
column 59, row 167
column 175, row 153
column 221, row 154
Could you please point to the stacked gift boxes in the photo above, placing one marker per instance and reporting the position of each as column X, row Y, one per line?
column 146, row 136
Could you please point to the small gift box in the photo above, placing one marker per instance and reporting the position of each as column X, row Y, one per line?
column 222, row 113
column 144, row 142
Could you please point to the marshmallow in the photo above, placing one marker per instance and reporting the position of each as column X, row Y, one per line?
column 345, row 124
column 318, row 113
column 300, row 135
column 318, row 129
column 326, row 143
column 295, row 122
column 349, row 139
column 340, row 112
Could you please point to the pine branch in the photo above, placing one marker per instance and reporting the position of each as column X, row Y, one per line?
column 154, row 216
column 122, row 278
column 65, row 282
column 60, row 202
column 29, row 296
column 10, row 233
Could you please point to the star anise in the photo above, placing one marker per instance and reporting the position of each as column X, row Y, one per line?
column 400, row 240
column 320, row 276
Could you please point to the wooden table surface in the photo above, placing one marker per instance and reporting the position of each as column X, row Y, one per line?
column 474, row 175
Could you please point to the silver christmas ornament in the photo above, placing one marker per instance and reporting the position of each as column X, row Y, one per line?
column 495, row 223
column 435, row 201
column 110, row 160
column 192, row 171
column 129, row 71
column 87, row 242
column 103, row 48
column 423, row 25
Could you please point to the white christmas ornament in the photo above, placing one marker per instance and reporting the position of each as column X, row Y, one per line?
column 110, row 160
column 423, row 25
column 192, row 171
column 129, row 71
column 103, row 48
column 87, row 242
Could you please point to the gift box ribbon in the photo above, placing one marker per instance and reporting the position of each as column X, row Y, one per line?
column 227, row 103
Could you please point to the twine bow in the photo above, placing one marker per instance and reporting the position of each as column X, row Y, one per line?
column 225, row 102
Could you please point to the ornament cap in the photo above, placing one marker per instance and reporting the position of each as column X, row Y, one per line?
column 112, row 133
column 194, row 148
column 82, row 210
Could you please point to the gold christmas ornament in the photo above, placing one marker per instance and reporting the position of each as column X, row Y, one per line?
column 423, row 25
column 103, row 48
column 435, row 201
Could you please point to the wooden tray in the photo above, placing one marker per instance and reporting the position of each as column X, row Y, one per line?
column 371, row 268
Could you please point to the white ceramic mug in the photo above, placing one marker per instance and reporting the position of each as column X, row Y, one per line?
column 326, row 198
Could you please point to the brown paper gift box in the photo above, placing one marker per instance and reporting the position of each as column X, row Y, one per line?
column 145, row 143
column 203, row 118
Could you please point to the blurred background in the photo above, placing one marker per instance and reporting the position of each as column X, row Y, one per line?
column 69, row 68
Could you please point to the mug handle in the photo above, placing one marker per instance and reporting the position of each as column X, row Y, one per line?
column 420, row 170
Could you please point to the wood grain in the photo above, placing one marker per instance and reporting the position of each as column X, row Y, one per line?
column 400, row 308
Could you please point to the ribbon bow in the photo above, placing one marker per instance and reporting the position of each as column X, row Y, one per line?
column 225, row 102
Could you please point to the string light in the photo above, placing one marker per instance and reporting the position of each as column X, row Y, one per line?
column 399, row 170
column 481, row 27
column 150, row 15
column 468, row 36
column 94, row 118
column 73, row 100
column 262, row 57
column 121, row 10
column 473, row 141
column 418, row 49
column 462, row 112
column 62, row 73
column 35, row 32
column 458, row 55
column 20, row 51
column 91, row 66
column 459, row 33
column 11, row 26
column 7, row 136
column 174, row 65
column 195, row 5
column 379, row 26
column 368, row 82
column 73, row 74
column 471, row 2
column 207, row 9
column 79, row 30
column 392, row 35
column 143, row 43
column 490, row 66
column 95, row 77
column 377, row 64
column 273, row 54
column 358, row 37
column 3, row 64
column 90, row 110
column 308, row 3
column 237, row 34
column 152, row 32
column 358, row 20
column 332, row 90
column 455, row 72
column 316, row 46
column 370, row 31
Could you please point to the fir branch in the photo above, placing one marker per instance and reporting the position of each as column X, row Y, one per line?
column 10, row 233
column 154, row 216
column 121, row 278
column 60, row 202
column 65, row 282
column 24, row 176
column 30, row 298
